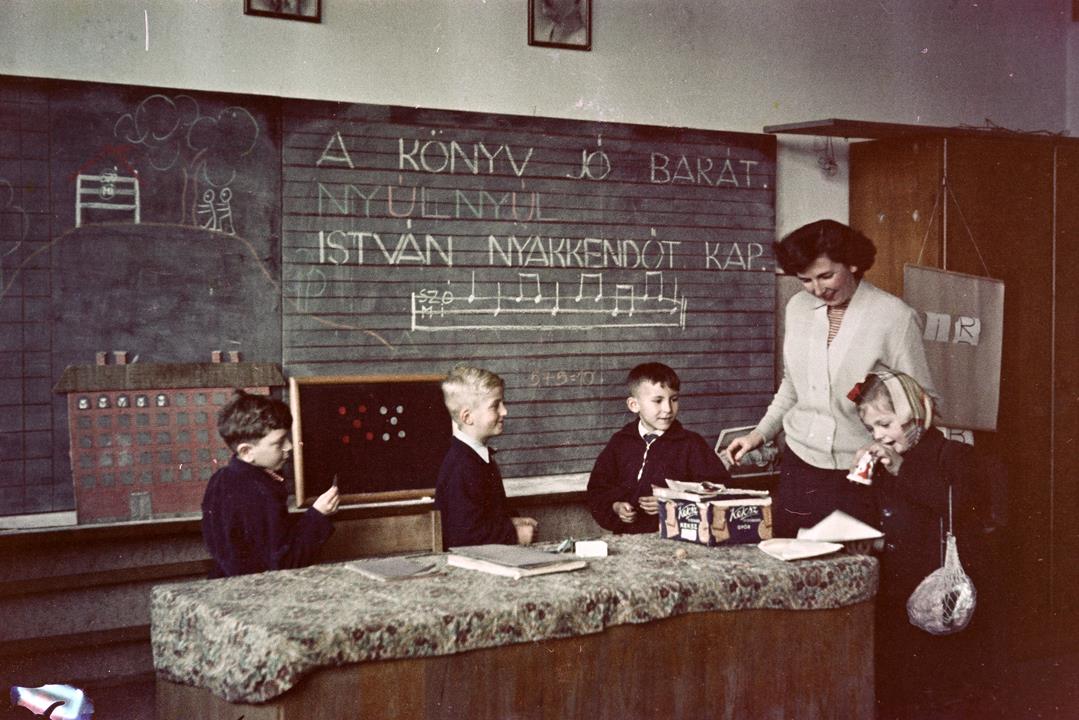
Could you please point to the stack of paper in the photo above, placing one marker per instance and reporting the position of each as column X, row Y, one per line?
column 840, row 527
column 515, row 561
column 792, row 549
column 392, row 568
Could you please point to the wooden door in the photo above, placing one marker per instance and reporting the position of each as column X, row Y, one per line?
column 1000, row 224
column 1064, row 549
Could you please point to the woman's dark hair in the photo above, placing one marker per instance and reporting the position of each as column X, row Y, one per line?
column 841, row 243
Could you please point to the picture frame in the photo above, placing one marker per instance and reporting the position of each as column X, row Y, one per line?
column 563, row 24
column 378, row 438
column 759, row 462
column 305, row 10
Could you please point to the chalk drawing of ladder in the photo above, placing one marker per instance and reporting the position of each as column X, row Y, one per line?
column 108, row 191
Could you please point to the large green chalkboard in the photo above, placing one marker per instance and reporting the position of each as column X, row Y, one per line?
column 351, row 239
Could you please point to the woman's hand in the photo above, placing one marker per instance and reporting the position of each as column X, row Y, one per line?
column 625, row 511
column 741, row 445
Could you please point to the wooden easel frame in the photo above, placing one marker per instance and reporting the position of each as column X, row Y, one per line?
column 296, row 385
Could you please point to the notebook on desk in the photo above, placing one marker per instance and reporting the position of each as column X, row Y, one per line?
column 393, row 568
column 515, row 561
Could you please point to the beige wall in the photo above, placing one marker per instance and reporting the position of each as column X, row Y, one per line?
column 732, row 65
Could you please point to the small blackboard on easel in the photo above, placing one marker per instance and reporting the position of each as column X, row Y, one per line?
column 380, row 437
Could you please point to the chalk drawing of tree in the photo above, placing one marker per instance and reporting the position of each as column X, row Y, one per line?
column 177, row 135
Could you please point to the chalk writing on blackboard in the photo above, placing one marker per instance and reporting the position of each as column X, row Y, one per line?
column 701, row 170
column 557, row 251
column 532, row 307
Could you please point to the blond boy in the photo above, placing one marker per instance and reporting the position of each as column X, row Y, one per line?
column 469, row 491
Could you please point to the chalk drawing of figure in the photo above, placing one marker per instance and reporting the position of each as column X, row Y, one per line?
column 206, row 212
column 223, row 206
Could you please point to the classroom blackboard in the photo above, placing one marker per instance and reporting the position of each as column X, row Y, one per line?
column 557, row 253
column 344, row 239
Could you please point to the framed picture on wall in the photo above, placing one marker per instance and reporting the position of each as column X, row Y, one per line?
column 560, row 24
column 306, row 10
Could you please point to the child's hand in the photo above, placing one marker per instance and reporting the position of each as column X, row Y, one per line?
column 326, row 503
column 887, row 456
column 741, row 445
column 625, row 511
column 526, row 529
column 649, row 504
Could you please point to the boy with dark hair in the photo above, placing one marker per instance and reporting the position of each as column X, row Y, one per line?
column 245, row 519
column 469, row 491
column 646, row 452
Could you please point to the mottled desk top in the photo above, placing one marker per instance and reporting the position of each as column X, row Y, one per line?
column 251, row 638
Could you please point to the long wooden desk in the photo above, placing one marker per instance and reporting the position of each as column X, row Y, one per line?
column 643, row 633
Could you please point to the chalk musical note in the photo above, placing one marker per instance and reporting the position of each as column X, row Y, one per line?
column 432, row 311
column 598, row 277
column 521, row 287
column 648, row 276
column 618, row 296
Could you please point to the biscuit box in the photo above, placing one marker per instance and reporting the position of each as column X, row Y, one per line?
column 723, row 520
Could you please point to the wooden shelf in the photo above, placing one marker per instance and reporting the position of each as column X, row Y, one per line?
column 869, row 130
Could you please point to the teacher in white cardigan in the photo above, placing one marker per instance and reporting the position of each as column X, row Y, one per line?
column 836, row 332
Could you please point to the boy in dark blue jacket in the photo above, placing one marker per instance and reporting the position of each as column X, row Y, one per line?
column 245, row 519
column 646, row 452
column 469, row 491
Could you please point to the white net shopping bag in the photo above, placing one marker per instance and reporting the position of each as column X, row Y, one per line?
column 943, row 603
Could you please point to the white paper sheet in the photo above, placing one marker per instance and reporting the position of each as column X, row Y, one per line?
column 792, row 549
column 840, row 527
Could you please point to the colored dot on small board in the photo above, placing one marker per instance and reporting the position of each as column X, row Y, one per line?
column 362, row 408
column 357, row 424
column 345, row 439
column 370, row 436
column 341, row 410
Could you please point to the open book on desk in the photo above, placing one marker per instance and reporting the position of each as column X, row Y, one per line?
column 393, row 568
column 515, row 561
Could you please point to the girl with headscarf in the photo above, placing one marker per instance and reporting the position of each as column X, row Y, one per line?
column 915, row 467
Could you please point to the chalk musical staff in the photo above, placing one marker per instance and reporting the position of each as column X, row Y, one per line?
column 539, row 306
